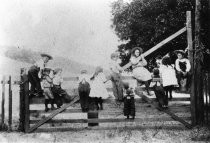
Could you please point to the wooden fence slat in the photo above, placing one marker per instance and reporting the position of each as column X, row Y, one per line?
column 3, row 102
column 21, row 102
column 26, row 96
column 39, row 123
column 10, row 104
column 110, row 120
column 108, row 128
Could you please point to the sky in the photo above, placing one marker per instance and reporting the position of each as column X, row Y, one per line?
column 76, row 29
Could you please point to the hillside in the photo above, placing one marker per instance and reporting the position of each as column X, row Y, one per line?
column 28, row 57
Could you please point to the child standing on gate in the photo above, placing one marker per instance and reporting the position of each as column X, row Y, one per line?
column 129, row 102
column 98, row 88
column 116, row 77
column 58, row 92
column 84, row 90
column 168, row 75
column 47, row 83
column 35, row 74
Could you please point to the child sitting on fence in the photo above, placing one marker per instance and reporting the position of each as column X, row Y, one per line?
column 47, row 83
column 60, row 95
column 129, row 102
column 35, row 75
column 98, row 89
column 84, row 90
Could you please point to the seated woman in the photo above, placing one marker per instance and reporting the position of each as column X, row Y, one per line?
column 183, row 67
column 139, row 71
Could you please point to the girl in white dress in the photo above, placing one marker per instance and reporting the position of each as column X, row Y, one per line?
column 168, row 75
column 98, row 88
column 138, row 62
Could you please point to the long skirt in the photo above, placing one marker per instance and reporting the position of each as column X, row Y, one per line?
column 142, row 74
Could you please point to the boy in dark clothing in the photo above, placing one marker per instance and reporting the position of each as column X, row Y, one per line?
column 84, row 90
column 35, row 74
column 129, row 102
column 160, row 91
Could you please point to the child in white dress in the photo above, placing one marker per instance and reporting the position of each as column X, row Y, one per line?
column 98, row 88
column 168, row 75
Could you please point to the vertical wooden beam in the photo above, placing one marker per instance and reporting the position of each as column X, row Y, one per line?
column 26, row 103
column 21, row 102
column 189, row 36
column 3, row 101
column 10, row 104
column 190, row 57
column 198, row 74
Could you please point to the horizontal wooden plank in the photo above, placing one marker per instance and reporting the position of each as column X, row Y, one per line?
column 110, row 112
column 40, row 100
column 109, row 120
column 136, row 127
column 123, row 78
column 56, row 112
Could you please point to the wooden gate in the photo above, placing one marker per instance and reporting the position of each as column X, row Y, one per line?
column 25, row 102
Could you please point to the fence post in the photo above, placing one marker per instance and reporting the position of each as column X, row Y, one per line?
column 21, row 102
column 26, row 103
column 190, row 57
column 2, row 103
column 10, row 104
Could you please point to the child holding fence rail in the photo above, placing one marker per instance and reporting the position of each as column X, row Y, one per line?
column 35, row 74
column 168, row 75
column 84, row 90
column 98, row 89
column 47, row 83
column 58, row 92
column 116, row 77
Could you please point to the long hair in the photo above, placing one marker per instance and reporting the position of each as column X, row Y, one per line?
column 97, row 71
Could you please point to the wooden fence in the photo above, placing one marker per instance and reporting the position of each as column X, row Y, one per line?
column 29, row 125
column 3, row 125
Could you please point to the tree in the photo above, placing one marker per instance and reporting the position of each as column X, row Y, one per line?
column 145, row 23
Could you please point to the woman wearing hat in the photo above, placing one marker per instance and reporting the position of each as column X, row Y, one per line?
column 183, row 67
column 35, row 73
column 139, row 71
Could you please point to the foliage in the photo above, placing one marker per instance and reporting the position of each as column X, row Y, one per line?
column 145, row 23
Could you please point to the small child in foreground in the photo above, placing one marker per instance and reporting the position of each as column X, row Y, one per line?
column 129, row 102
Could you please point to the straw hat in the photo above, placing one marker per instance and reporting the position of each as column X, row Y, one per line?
column 46, row 55
column 180, row 52
column 137, row 48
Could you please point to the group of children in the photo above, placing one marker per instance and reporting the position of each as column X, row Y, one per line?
column 171, row 76
column 92, row 90
column 46, row 81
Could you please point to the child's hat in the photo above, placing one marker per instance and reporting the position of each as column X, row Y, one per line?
column 180, row 51
column 47, row 55
column 137, row 48
column 83, row 71
column 56, row 70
